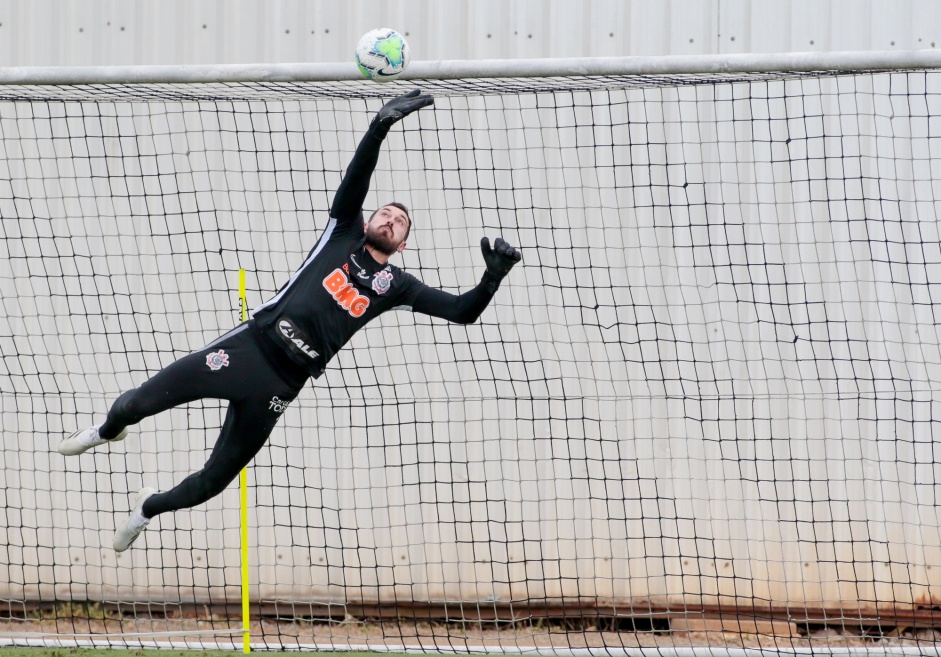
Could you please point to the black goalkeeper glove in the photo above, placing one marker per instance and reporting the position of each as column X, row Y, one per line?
column 499, row 260
column 398, row 108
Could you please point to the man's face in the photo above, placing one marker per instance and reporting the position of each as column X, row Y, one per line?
column 386, row 230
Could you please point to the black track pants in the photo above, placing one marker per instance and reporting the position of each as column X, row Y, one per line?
column 231, row 368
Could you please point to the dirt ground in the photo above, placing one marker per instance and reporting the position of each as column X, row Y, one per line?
column 461, row 637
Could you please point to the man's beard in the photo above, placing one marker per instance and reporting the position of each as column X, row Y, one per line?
column 380, row 240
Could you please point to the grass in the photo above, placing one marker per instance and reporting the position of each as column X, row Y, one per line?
column 140, row 652
column 111, row 652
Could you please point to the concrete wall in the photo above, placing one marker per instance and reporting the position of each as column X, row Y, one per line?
column 714, row 375
column 116, row 32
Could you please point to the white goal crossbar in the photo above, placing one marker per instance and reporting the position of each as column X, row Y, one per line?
column 496, row 68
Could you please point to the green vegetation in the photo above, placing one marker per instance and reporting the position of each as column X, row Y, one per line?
column 139, row 652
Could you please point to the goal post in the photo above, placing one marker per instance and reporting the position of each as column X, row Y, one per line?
column 699, row 414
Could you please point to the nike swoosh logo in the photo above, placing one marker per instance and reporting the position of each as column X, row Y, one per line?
column 362, row 274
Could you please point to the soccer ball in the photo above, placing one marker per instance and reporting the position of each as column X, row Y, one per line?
column 382, row 54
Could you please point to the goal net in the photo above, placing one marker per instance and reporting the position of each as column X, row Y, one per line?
column 702, row 412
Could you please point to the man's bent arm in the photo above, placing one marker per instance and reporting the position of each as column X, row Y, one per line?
column 467, row 307
column 461, row 308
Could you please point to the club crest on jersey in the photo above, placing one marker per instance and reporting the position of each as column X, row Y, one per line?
column 345, row 293
column 382, row 281
column 217, row 360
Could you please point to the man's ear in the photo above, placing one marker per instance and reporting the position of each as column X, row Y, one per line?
column 400, row 247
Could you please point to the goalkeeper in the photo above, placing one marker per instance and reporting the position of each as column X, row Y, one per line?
column 260, row 366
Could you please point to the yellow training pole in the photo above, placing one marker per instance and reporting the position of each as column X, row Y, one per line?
column 243, row 506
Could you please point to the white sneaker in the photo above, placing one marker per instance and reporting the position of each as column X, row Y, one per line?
column 128, row 531
column 84, row 439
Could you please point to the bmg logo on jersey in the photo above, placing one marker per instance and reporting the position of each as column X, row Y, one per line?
column 339, row 286
column 277, row 405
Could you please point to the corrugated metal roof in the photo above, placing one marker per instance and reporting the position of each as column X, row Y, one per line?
column 116, row 32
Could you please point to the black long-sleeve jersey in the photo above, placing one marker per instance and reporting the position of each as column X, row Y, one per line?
column 340, row 287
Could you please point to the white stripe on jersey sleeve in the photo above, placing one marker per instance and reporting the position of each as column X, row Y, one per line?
column 327, row 233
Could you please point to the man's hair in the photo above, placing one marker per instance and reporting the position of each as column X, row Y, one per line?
column 401, row 207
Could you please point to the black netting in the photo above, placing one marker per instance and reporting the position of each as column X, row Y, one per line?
column 699, row 413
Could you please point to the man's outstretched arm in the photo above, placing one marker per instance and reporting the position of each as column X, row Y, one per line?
column 466, row 308
column 348, row 201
